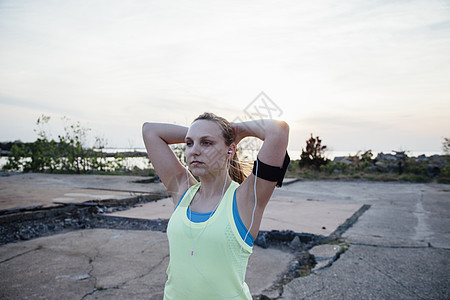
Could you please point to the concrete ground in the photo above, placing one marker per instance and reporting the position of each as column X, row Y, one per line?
column 106, row 264
column 282, row 213
column 399, row 248
column 29, row 189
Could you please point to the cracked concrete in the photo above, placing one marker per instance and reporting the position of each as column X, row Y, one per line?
column 107, row 264
column 326, row 254
column 30, row 189
column 368, row 272
column 86, row 264
column 399, row 248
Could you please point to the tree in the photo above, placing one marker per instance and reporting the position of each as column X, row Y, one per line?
column 313, row 155
column 69, row 154
column 74, row 139
column 446, row 146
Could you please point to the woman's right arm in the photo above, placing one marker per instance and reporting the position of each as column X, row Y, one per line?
column 157, row 138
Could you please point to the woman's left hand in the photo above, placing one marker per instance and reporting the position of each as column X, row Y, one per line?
column 240, row 132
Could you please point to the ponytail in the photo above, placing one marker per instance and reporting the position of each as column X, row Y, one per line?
column 236, row 172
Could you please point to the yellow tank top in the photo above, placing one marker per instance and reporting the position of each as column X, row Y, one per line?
column 216, row 269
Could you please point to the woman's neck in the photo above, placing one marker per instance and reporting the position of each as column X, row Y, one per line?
column 214, row 186
column 211, row 192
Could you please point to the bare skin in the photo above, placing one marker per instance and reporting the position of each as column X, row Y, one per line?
column 207, row 157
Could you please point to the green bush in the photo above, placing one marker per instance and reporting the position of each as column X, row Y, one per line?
column 363, row 166
column 414, row 178
column 16, row 158
column 67, row 155
column 313, row 154
column 444, row 176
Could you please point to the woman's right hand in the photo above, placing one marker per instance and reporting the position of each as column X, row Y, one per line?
column 157, row 138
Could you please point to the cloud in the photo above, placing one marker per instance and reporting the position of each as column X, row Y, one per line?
column 350, row 63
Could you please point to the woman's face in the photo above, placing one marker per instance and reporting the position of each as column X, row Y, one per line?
column 206, row 151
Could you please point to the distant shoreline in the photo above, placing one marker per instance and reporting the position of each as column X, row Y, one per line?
column 294, row 154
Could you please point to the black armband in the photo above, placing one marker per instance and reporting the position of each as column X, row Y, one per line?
column 271, row 173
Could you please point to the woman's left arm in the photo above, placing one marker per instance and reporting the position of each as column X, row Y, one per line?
column 275, row 135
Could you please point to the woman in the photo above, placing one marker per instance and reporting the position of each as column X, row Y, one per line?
column 215, row 221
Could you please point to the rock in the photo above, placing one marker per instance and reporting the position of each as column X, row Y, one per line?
column 386, row 157
column 295, row 243
column 306, row 263
column 82, row 277
column 325, row 251
column 284, row 235
column 380, row 164
column 400, row 155
column 342, row 159
column 4, row 152
column 325, row 255
column 306, row 238
column 421, row 158
column 433, row 171
column 262, row 240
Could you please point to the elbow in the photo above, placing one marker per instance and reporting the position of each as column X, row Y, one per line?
column 282, row 128
column 149, row 135
column 145, row 126
column 147, row 129
column 281, row 133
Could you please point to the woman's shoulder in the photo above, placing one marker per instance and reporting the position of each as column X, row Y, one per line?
column 189, row 192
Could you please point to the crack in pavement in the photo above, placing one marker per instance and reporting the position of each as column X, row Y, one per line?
column 394, row 246
column 389, row 276
column 121, row 284
column 315, row 291
column 301, row 264
column 144, row 274
column 398, row 246
column 21, row 254
column 91, row 264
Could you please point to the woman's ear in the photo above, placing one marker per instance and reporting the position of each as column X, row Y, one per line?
column 232, row 149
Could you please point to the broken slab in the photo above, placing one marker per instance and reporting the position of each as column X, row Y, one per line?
column 302, row 215
column 282, row 213
column 31, row 189
column 161, row 209
column 107, row 263
column 325, row 255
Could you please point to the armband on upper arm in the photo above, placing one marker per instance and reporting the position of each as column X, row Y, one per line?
column 271, row 173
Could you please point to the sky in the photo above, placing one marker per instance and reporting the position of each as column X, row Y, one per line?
column 361, row 75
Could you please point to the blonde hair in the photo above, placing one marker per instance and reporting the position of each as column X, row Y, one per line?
column 236, row 171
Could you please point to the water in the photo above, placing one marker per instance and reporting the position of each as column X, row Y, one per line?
column 144, row 162
column 3, row 161
column 128, row 162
